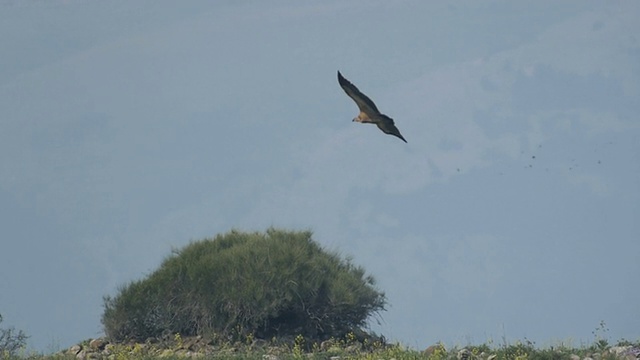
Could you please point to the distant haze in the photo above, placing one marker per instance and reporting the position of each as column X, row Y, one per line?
column 128, row 129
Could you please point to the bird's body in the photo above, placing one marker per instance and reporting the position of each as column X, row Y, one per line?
column 369, row 113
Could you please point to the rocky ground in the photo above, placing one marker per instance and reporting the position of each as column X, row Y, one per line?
column 197, row 347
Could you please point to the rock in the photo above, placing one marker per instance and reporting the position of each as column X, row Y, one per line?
column 269, row 357
column 574, row 357
column 189, row 343
column 433, row 348
column 625, row 352
column 152, row 340
column 429, row 350
column 97, row 344
column 327, row 344
column 620, row 350
column 74, row 350
column 108, row 349
column 81, row 355
column 352, row 349
column 330, row 345
column 493, row 356
column 464, row 354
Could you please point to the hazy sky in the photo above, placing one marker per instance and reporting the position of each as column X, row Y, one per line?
column 131, row 128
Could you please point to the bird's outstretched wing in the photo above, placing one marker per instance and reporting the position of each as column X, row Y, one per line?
column 369, row 113
column 387, row 126
column 364, row 103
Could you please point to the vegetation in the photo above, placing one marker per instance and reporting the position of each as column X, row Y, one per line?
column 347, row 348
column 241, row 286
column 11, row 341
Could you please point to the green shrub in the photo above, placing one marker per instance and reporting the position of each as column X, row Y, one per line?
column 11, row 341
column 278, row 283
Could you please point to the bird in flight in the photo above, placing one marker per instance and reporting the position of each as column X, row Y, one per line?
column 369, row 113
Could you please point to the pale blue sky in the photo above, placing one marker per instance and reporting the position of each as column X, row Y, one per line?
column 131, row 128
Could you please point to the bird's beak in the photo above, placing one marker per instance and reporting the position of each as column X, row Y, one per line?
column 354, row 119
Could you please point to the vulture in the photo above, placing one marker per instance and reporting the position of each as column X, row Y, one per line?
column 369, row 113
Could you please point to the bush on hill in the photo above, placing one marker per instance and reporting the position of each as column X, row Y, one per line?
column 237, row 285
